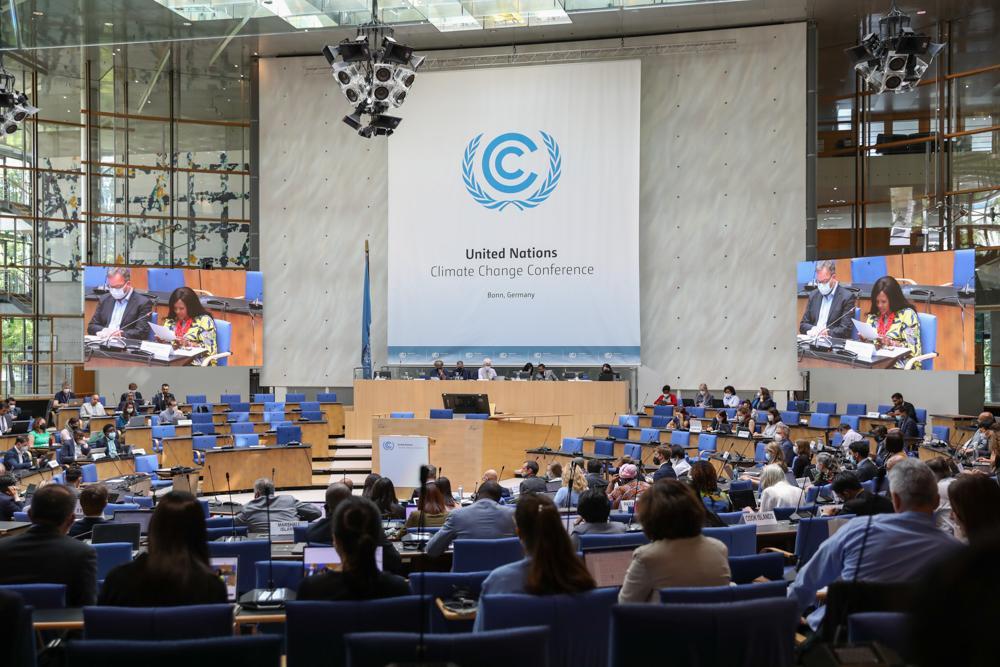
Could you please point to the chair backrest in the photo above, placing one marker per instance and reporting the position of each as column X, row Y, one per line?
column 890, row 628
column 660, row 421
column 165, row 431
column 326, row 397
column 847, row 598
column 94, row 276
column 707, row 442
column 663, row 410
column 442, row 413
column 164, row 280
column 289, row 434
column 245, row 651
column 577, row 624
column 941, row 433
column 730, row 518
column 759, row 452
column 722, row 594
column 649, row 435
column 805, row 273
column 254, row 286
column 524, row 647
column 285, row 573
column 815, row 491
column 696, row 412
column 241, row 428
column 273, row 417
column 40, row 596
column 111, row 508
column 143, row 502
column 681, row 438
column 246, row 440
column 482, row 416
column 196, row 398
column 201, row 418
column 631, row 421
column 202, row 429
column 827, row 407
column 928, row 339
column 89, row 473
column 819, row 420
column 308, row 626
column 633, row 450
column 444, row 585
column 571, row 446
column 294, row 397
column 744, row 569
column 868, row 269
column 219, row 522
column 789, row 417
column 604, row 448
column 110, row 555
column 477, row 555
column 618, row 432
column 312, row 415
column 741, row 539
column 227, row 531
column 158, row 623
column 854, row 421
column 751, row 632
column 310, row 405
column 401, row 415
column 147, row 464
column 247, row 552
column 884, row 409
column 223, row 340
column 857, row 409
column 274, row 406
column 811, row 533
column 263, row 398
column 633, row 539
column 740, row 485
column 921, row 415
column 964, row 271
column 236, row 417
column 203, row 441
column 229, row 399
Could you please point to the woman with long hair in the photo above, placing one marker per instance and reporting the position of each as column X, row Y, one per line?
column 370, row 479
column 191, row 324
column 975, row 499
column 574, row 482
column 550, row 565
column 430, row 508
column 175, row 569
column 705, row 482
column 384, row 496
column 894, row 319
column 356, row 531
column 444, row 484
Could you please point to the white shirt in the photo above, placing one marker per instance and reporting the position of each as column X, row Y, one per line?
column 87, row 410
column 681, row 467
column 487, row 373
column 824, row 309
column 781, row 494
column 118, row 312
column 850, row 437
column 731, row 401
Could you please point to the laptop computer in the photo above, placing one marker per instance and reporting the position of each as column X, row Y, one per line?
column 104, row 533
column 694, row 426
column 74, row 403
column 687, row 402
column 315, row 560
column 227, row 569
column 137, row 420
column 608, row 565
column 140, row 517
column 743, row 498
column 20, row 427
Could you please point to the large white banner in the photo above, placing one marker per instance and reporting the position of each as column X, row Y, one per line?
column 513, row 217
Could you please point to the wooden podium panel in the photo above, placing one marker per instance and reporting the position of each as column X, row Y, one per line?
column 579, row 404
column 463, row 448
column 292, row 468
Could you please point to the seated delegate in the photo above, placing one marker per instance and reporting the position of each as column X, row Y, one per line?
column 190, row 323
column 894, row 319
column 830, row 307
column 122, row 312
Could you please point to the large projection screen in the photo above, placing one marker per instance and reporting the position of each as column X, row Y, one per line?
column 513, row 217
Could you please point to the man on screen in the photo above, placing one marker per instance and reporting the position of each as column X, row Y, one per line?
column 461, row 372
column 487, row 372
column 438, row 372
column 122, row 312
column 830, row 306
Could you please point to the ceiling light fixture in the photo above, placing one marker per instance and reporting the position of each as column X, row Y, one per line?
column 895, row 59
column 375, row 72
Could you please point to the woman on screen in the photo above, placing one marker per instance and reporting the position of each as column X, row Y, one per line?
column 190, row 322
column 894, row 319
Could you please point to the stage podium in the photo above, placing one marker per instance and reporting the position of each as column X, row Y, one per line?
column 463, row 448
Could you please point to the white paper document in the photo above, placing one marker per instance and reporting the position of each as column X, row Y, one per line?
column 863, row 350
column 865, row 330
column 188, row 351
column 163, row 333
column 158, row 350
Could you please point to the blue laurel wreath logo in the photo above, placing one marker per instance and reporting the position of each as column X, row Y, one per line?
column 515, row 144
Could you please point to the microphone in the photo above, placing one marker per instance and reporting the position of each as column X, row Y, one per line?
column 544, row 447
column 232, row 506
column 830, row 324
column 270, row 597
column 141, row 317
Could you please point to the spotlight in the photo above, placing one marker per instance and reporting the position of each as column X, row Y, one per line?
column 895, row 59
column 354, row 120
column 394, row 52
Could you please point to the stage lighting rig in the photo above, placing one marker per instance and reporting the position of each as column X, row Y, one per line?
column 14, row 105
column 894, row 59
column 375, row 73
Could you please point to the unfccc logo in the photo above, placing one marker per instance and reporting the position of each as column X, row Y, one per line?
column 508, row 184
column 388, row 445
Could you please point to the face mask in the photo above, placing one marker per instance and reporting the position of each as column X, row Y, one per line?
column 656, row 460
column 770, row 419
column 728, row 395
column 984, row 424
column 110, row 436
column 117, row 293
column 824, row 288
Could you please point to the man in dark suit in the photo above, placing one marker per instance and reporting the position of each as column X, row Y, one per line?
column 901, row 407
column 865, row 468
column 133, row 394
column 6, row 421
column 321, row 532
column 93, row 500
column 830, row 307
column 9, row 500
column 661, row 457
column 858, row 500
column 482, row 520
column 461, row 372
column 123, row 312
column 18, row 458
column 438, row 372
column 13, row 412
column 531, row 482
column 162, row 399
column 43, row 554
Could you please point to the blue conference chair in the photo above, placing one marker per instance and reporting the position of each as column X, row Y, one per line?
column 964, row 271
column 311, row 416
column 326, row 397
column 860, row 409
column 254, row 286
column 707, row 442
column 194, row 399
column 308, row 626
column 94, row 276
column 246, row 440
column 618, row 432
column 444, row 585
column 229, row 399
column 237, row 417
column 477, row 415
column 942, row 433
column 884, row 409
column 604, row 449
column 740, row 539
column 239, row 407
column 223, row 341
column 202, row 428
column 744, row 569
column 401, row 415
column 620, row 540
column 247, row 552
column 273, row 406
column 853, row 420
column 660, row 421
column 697, row 412
column 819, row 420
column 158, row 623
column 805, row 273
column 630, row 421
column 245, row 651
column 286, row 573
column 730, row 518
column 740, row 485
column 789, row 417
column 577, row 624
column 274, row 417
column 921, row 415
column 241, row 428
column 751, row 632
column 219, row 522
column 289, row 434
column 810, row 534
column 165, row 280
column 442, row 413
column 110, row 555
column 310, row 406
column 40, row 596
column 828, row 408
column 524, row 647
column 478, row 555
column 633, row 450
column 680, row 438
column 571, row 446
column 760, row 453
column 89, row 473
column 294, row 398
column 17, row 614
column 928, row 343
column 111, row 508
column 663, row 411
column 203, row 441
column 867, row 270
column 724, row 594
column 263, row 398
column 143, row 502
column 813, row 493
column 149, row 464
column 227, row 531
column 201, row 418
column 649, row 435
column 886, row 627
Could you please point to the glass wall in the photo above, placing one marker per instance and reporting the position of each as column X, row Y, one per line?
column 137, row 157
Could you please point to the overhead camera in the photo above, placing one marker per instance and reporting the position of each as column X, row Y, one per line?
column 896, row 58
column 14, row 105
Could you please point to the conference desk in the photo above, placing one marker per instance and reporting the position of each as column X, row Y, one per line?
column 106, row 469
column 464, row 448
column 953, row 308
column 289, row 466
column 841, row 358
column 585, row 403
column 141, row 437
column 247, row 342
column 958, row 427
column 97, row 356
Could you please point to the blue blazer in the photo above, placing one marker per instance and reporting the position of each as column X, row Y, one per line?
column 67, row 453
column 10, row 460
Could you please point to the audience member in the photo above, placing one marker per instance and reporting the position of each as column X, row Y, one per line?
column 944, row 470
column 626, row 485
column 594, row 509
column 550, row 565
column 370, row 479
column 864, row 467
column 163, row 398
column 492, row 476
column 530, row 481
column 39, row 436
column 74, row 448
column 827, row 468
column 320, row 531
column 19, row 456
column 979, row 444
column 880, row 548
column 483, row 519
column 662, row 458
column 127, row 412
column 63, row 396
column 902, row 407
column 595, row 476
column 93, row 499
column 857, row 499
column 672, row 518
column 109, row 442
column 802, row 461
column 44, row 554
column 444, row 484
column 384, row 496
column 704, row 398
column 66, row 435
column 678, row 461
column 773, row 422
column 170, row 413
column 356, row 530
column 848, row 435
column 667, row 397
column 786, row 445
column 775, row 491
column 763, row 400
column 175, row 569
column 720, row 423
column 282, row 508
column 729, row 397
column 10, row 501
column 6, row 420
column 681, row 419
column 975, row 504
column 92, row 408
column 553, row 471
column 573, row 484
column 431, row 511
column 74, row 478
column 705, row 482
column 133, row 396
